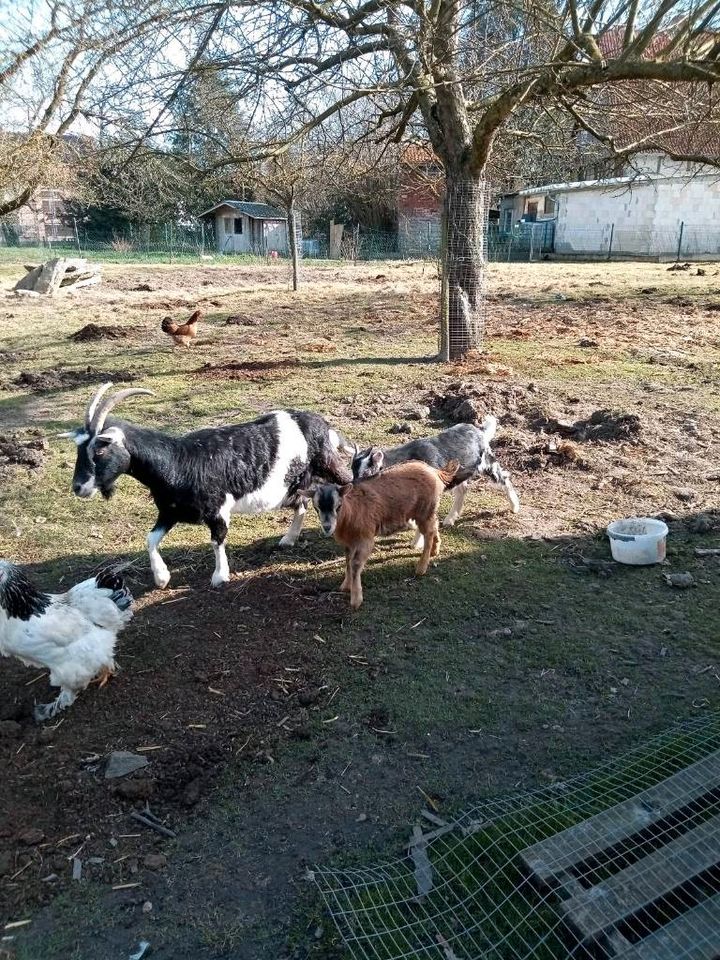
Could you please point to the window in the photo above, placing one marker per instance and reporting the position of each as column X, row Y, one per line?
column 227, row 224
column 238, row 224
column 531, row 210
column 549, row 208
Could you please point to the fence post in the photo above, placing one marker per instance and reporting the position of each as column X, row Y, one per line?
column 532, row 238
column 77, row 236
column 680, row 239
column 610, row 245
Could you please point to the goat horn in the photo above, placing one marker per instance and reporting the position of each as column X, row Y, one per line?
column 355, row 450
column 109, row 402
column 95, row 400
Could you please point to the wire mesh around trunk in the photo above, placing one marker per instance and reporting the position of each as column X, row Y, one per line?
column 464, row 260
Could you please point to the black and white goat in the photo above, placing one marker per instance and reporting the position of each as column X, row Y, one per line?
column 465, row 442
column 207, row 475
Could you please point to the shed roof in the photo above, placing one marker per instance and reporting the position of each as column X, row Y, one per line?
column 256, row 211
column 611, row 182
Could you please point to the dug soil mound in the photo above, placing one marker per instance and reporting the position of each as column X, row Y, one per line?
column 22, row 451
column 94, row 331
column 42, row 381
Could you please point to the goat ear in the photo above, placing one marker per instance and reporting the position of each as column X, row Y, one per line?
column 345, row 488
column 308, row 493
column 112, row 435
column 377, row 457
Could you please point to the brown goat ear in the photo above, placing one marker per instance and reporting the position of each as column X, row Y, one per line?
column 345, row 488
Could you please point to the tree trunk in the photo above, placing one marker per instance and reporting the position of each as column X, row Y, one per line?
column 463, row 265
column 293, row 244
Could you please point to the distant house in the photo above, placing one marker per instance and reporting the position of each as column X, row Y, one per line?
column 245, row 227
column 421, row 189
column 658, row 207
column 46, row 219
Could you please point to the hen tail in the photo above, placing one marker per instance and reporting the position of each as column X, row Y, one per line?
column 110, row 579
column 448, row 472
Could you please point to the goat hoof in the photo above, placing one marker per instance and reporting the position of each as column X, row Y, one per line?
column 448, row 522
column 287, row 541
column 162, row 580
column 219, row 579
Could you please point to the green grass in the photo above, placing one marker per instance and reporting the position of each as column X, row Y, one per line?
column 504, row 666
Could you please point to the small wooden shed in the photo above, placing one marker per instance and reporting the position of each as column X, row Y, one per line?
column 245, row 227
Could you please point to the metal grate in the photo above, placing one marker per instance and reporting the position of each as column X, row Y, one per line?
column 620, row 862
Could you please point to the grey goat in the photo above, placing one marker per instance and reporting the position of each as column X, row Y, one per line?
column 467, row 443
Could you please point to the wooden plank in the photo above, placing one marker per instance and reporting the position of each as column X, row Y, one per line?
column 693, row 936
column 626, row 892
column 560, row 852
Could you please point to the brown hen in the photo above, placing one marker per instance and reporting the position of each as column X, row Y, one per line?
column 182, row 334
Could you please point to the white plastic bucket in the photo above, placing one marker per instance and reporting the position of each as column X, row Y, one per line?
column 638, row 540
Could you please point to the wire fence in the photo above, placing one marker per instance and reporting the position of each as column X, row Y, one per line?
column 623, row 861
column 416, row 239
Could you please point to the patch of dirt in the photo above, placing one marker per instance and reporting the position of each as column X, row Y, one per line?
column 94, row 331
column 465, row 401
column 42, row 381
column 607, row 426
column 208, row 676
column 18, row 450
column 247, row 370
column 242, row 320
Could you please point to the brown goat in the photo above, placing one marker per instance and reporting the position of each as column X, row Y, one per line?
column 357, row 513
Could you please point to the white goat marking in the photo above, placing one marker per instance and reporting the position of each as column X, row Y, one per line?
column 291, row 445
column 295, row 527
column 160, row 572
column 113, row 434
column 79, row 437
column 221, row 573
column 334, row 438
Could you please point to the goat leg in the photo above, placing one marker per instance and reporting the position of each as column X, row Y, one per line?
column 491, row 468
column 458, row 494
column 358, row 559
column 430, row 533
column 218, row 534
column 160, row 572
column 345, row 585
column 296, row 526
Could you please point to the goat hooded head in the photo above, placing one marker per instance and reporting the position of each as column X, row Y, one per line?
column 101, row 453
column 367, row 463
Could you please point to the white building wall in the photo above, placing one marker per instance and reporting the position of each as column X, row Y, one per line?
column 646, row 218
column 227, row 240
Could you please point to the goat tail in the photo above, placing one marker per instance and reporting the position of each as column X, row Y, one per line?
column 488, row 428
column 447, row 474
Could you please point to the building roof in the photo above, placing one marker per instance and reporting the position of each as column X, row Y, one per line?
column 256, row 211
column 610, row 182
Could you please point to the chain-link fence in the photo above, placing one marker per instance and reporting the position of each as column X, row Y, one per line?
column 620, row 862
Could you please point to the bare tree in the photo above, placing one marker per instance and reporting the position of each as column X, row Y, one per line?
column 467, row 71
column 464, row 71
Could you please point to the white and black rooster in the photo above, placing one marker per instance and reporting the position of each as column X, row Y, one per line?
column 73, row 634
